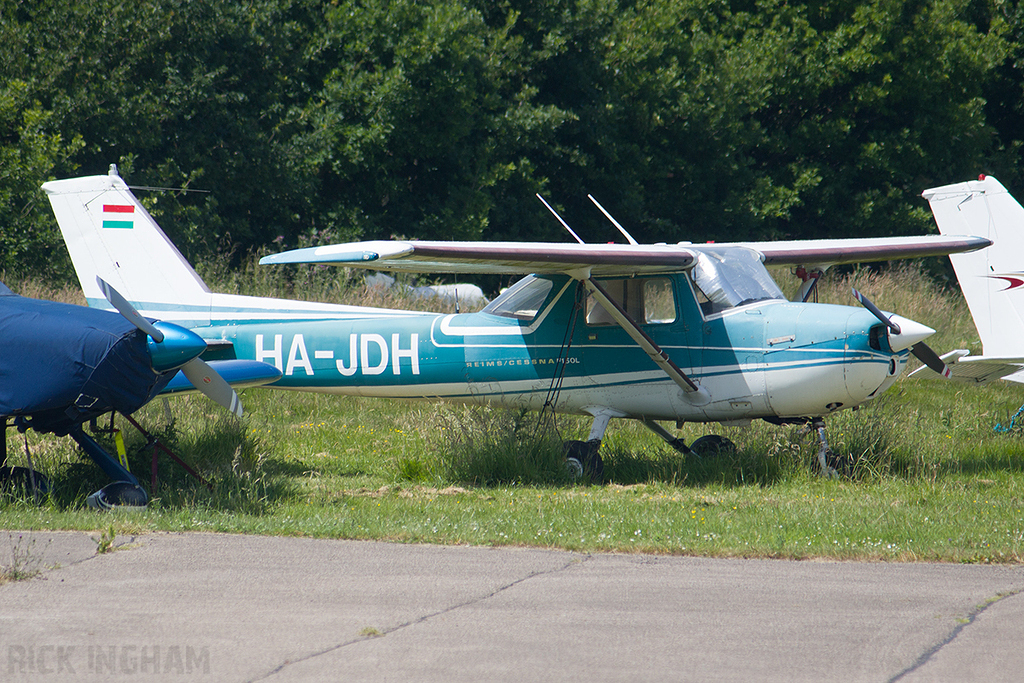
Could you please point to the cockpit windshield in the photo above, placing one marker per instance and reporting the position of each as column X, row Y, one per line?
column 723, row 282
column 522, row 300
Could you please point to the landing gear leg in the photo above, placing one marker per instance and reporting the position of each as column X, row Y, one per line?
column 824, row 452
column 709, row 446
column 673, row 441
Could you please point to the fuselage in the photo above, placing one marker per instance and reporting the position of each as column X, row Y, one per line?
column 762, row 359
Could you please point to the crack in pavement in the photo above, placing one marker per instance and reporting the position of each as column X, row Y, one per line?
column 964, row 623
column 420, row 620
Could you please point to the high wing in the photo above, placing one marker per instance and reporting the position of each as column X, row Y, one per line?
column 413, row 256
column 834, row 252
column 585, row 262
column 611, row 259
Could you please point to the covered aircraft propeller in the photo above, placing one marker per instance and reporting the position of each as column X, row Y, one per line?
column 172, row 346
column 905, row 333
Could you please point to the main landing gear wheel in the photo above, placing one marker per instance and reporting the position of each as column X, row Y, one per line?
column 712, row 446
column 120, row 494
column 582, row 459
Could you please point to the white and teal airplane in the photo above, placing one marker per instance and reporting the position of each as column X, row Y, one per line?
column 660, row 332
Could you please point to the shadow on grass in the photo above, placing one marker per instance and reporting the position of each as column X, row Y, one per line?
column 988, row 464
column 487, row 447
column 480, row 446
column 241, row 475
column 491, row 447
column 741, row 468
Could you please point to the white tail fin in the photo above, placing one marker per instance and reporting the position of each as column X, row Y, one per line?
column 111, row 235
column 992, row 279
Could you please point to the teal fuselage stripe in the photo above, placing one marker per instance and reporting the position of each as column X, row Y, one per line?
column 773, row 351
column 481, row 348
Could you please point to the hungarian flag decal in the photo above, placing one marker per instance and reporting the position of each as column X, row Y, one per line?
column 118, row 216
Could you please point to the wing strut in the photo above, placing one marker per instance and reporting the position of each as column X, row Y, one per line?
column 627, row 323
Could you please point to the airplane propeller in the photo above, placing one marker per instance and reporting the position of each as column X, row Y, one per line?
column 183, row 349
column 908, row 336
column 128, row 311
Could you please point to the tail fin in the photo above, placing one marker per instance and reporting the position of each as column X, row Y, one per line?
column 991, row 279
column 111, row 235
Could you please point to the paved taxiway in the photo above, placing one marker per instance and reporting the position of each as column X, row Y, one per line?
column 246, row 608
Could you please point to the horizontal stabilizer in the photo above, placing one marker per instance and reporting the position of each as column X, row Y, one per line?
column 973, row 369
column 240, row 374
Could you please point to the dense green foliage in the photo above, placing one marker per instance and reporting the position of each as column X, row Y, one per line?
column 690, row 119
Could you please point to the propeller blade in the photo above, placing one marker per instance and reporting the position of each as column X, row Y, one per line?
column 924, row 353
column 205, row 379
column 202, row 376
column 866, row 303
column 128, row 311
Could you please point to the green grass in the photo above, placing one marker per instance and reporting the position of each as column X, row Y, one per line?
column 931, row 479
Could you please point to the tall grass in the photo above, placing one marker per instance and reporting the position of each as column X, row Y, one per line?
column 485, row 446
column 40, row 289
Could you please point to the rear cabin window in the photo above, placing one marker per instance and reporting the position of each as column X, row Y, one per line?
column 648, row 301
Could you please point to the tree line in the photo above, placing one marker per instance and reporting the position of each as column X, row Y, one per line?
column 321, row 121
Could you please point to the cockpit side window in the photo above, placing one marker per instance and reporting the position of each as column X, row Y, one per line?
column 521, row 301
column 722, row 282
column 645, row 300
column 659, row 301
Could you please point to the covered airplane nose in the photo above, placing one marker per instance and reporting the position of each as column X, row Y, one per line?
column 910, row 333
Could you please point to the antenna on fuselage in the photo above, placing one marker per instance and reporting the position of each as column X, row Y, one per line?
column 614, row 222
column 564, row 224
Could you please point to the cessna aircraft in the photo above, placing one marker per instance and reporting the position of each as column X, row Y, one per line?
column 991, row 280
column 670, row 332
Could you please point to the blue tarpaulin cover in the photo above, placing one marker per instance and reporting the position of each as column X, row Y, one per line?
column 62, row 364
